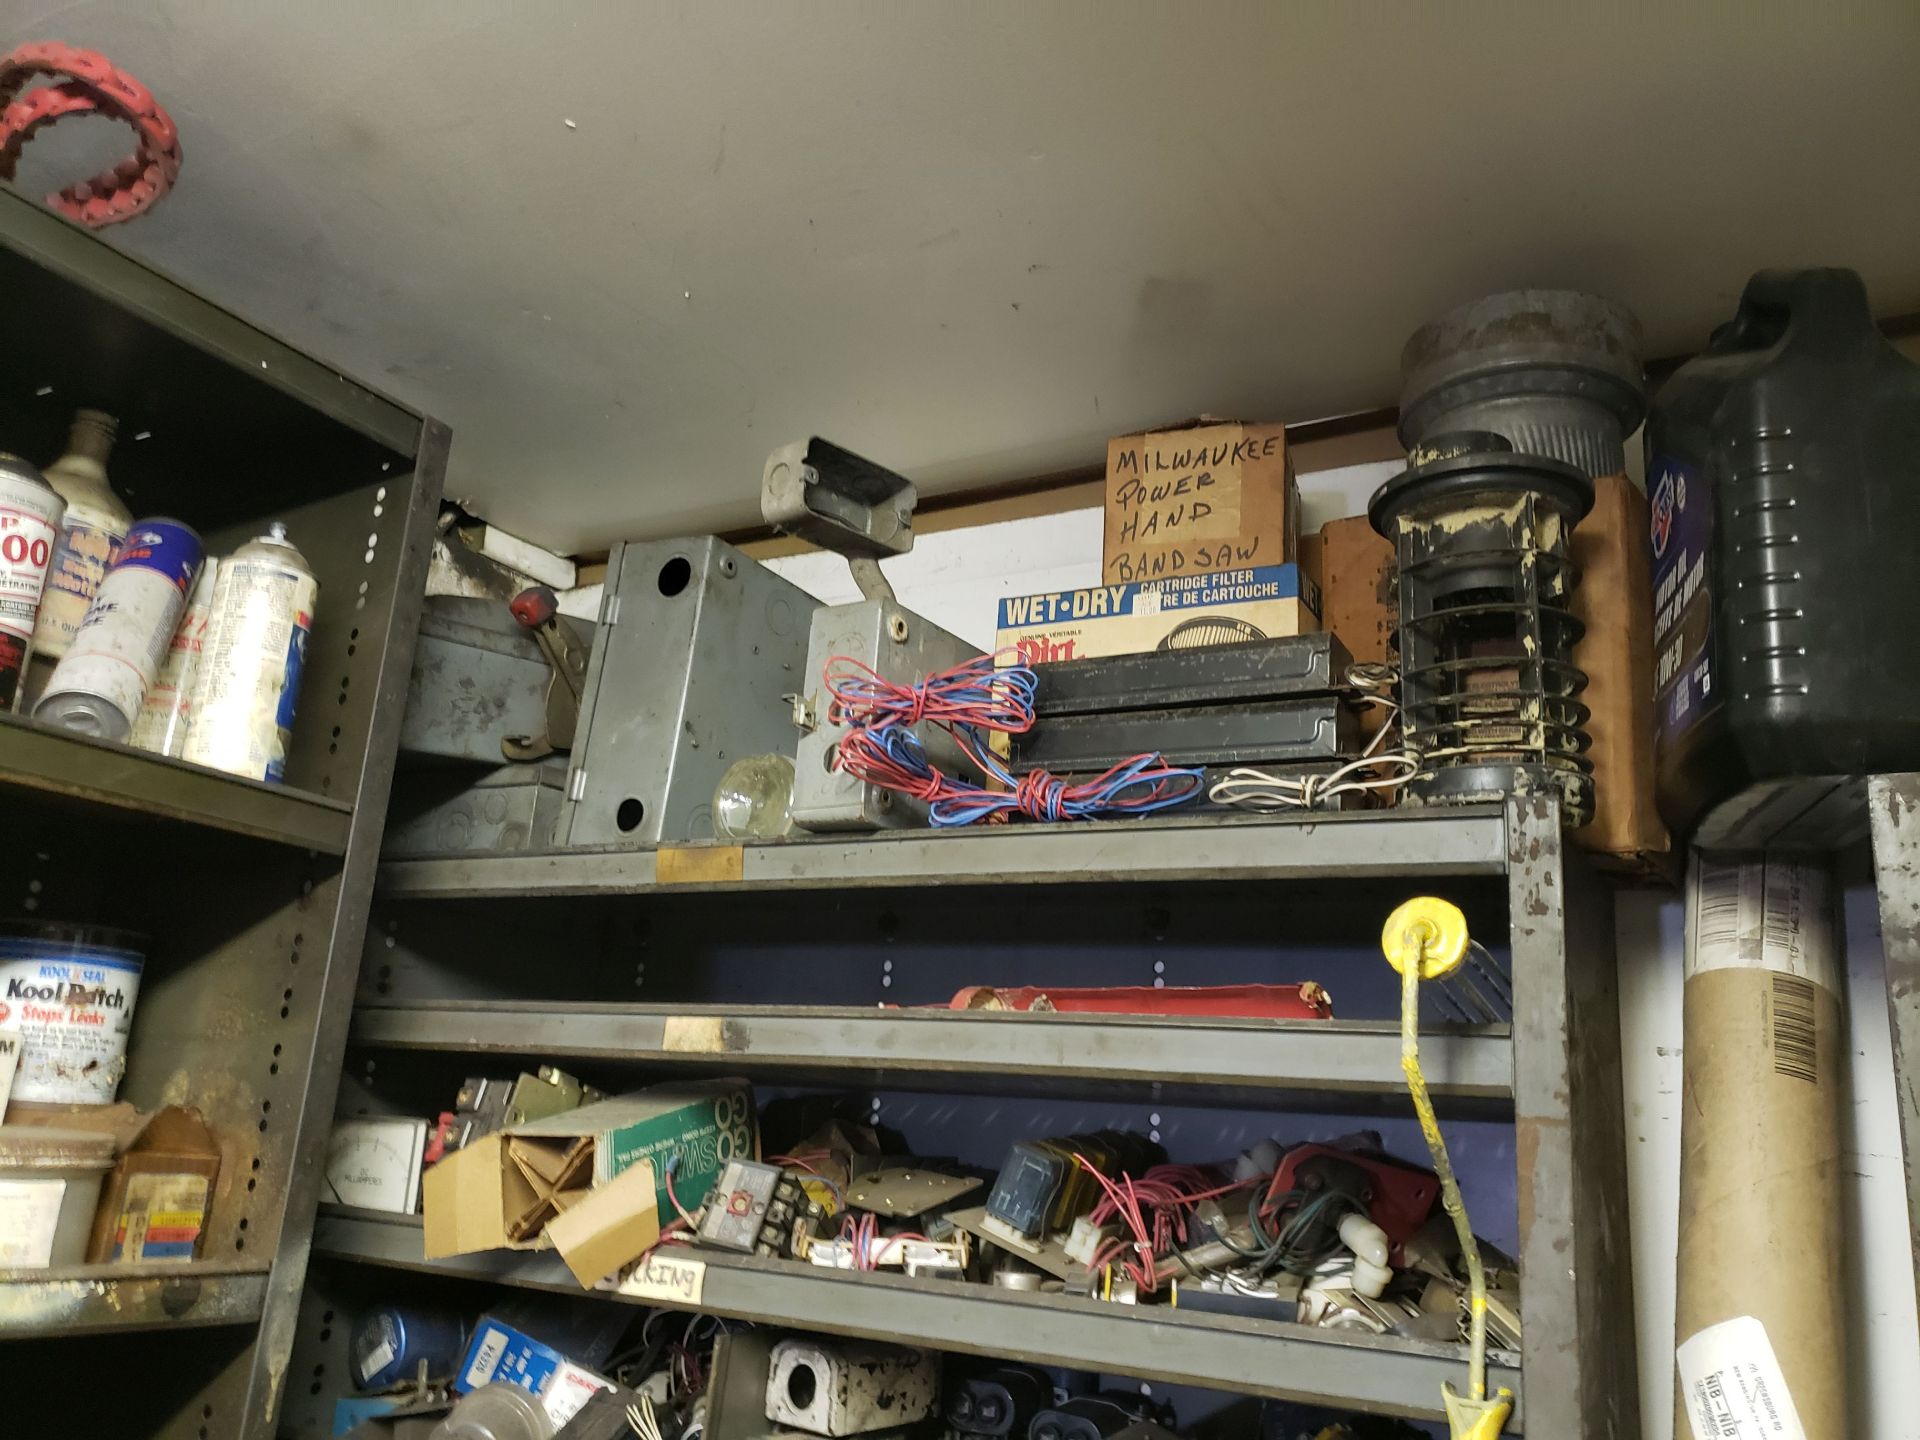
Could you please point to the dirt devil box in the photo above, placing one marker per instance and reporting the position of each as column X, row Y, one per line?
column 1187, row 610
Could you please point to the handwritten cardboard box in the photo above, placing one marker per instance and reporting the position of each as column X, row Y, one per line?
column 1199, row 499
column 1190, row 610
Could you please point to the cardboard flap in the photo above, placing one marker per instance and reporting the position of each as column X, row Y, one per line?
column 465, row 1198
column 547, row 1164
column 598, row 1231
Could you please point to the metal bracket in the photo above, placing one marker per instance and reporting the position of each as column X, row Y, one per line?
column 830, row 497
column 538, row 611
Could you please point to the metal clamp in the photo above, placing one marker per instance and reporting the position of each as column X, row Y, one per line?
column 538, row 610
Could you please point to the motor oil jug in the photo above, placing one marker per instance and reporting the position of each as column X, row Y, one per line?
column 1783, row 471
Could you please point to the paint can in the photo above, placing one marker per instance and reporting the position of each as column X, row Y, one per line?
column 248, row 681
column 98, row 687
column 30, row 515
column 70, row 991
column 161, row 725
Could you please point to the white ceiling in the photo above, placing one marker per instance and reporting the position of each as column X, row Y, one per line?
column 627, row 248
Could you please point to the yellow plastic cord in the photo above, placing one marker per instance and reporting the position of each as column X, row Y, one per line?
column 1425, row 939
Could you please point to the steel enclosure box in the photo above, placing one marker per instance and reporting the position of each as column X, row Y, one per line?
column 451, row 810
column 698, row 649
column 900, row 647
column 478, row 675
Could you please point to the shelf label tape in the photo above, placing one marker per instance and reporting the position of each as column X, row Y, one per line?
column 698, row 864
column 669, row 1279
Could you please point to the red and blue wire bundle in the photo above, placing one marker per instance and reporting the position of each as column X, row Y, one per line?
column 970, row 702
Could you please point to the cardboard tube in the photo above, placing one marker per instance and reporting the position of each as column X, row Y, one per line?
column 1760, row 1326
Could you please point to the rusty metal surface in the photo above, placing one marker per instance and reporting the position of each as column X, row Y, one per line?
column 1893, row 804
column 383, row 650
column 1578, row 1353
column 76, row 1302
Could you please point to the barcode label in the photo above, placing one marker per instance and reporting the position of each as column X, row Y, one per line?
column 1793, row 1039
column 1732, row 1387
column 1770, row 914
column 487, row 1358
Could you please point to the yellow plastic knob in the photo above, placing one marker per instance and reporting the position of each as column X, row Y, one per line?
column 1426, row 931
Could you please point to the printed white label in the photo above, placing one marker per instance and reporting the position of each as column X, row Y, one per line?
column 1772, row 914
column 377, row 1360
column 487, row 1358
column 1146, row 602
column 1732, row 1386
column 29, row 1214
column 568, row 1391
column 659, row 1277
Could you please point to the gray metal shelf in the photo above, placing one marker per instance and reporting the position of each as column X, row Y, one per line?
column 101, row 774
column 254, row 898
column 1405, row 843
column 1339, row 1056
column 1256, row 1357
column 96, row 1299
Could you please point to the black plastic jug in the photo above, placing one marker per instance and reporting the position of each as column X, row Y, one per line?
column 1783, row 471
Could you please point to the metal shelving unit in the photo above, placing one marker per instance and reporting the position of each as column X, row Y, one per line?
column 1467, row 841
column 1252, row 1357
column 37, row 761
column 253, row 897
column 1244, row 1056
column 467, row 971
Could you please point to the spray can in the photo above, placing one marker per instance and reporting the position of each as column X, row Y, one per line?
column 161, row 725
column 30, row 512
column 248, row 680
column 99, row 684
column 92, row 533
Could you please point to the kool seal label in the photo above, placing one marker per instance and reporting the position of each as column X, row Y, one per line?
column 72, row 1004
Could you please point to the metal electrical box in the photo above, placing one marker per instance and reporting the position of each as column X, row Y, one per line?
column 698, row 653
column 899, row 646
column 478, row 675
column 455, row 809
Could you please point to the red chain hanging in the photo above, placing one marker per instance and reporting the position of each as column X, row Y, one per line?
column 85, row 82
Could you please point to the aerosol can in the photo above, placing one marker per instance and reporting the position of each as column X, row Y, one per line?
column 247, row 683
column 91, row 535
column 30, row 512
column 101, row 682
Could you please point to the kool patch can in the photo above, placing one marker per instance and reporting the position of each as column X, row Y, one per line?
column 101, row 681
column 69, row 989
column 247, row 684
column 162, row 723
column 30, row 515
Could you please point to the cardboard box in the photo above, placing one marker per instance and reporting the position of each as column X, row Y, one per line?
column 1197, row 500
column 1614, row 600
column 507, row 1190
column 1356, row 587
column 1263, row 603
column 153, row 1207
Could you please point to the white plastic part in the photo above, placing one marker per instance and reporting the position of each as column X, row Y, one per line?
column 1085, row 1240
column 1370, row 1279
column 1258, row 1162
column 1365, row 1239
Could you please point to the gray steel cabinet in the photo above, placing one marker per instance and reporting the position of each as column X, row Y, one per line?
column 630, row 966
column 254, row 897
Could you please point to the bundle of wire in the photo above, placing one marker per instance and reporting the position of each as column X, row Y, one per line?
column 1293, row 1230
column 1376, row 769
column 1155, row 1208
column 870, row 1247
column 970, row 702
